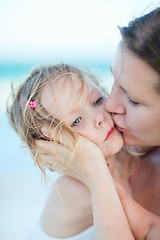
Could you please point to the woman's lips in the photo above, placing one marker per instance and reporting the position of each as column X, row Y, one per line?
column 110, row 134
column 119, row 128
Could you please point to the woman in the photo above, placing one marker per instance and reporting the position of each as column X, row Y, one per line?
column 135, row 102
column 135, row 106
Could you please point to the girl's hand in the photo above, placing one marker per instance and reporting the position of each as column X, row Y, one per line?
column 86, row 165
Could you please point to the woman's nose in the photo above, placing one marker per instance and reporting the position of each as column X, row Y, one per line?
column 113, row 105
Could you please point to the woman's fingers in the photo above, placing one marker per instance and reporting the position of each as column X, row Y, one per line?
column 82, row 163
column 46, row 131
column 52, row 152
column 51, row 147
column 46, row 147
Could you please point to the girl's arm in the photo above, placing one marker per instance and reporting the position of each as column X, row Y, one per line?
column 89, row 167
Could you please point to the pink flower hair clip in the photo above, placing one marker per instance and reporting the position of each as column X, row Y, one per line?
column 32, row 104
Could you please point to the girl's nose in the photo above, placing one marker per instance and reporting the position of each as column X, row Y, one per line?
column 102, row 119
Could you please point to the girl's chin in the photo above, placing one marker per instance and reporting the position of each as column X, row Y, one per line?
column 117, row 149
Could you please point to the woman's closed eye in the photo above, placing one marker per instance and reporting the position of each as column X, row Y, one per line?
column 98, row 101
column 132, row 102
column 76, row 122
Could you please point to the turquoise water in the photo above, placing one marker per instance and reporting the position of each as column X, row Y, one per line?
column 17, row 70
column 13, row 71
column 22, row 192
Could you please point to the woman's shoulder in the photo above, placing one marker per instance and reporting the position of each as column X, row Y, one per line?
column 145, row 181
column 68, row 208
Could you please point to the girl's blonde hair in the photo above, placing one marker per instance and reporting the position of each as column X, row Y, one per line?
column 28, row 122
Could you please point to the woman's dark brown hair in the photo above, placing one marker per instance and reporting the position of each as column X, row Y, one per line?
column 142, row 37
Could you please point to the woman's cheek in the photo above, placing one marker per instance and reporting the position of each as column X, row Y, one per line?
column 130, row 118
column 135, row 119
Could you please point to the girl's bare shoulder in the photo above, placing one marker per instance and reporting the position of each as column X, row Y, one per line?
column 68, row 209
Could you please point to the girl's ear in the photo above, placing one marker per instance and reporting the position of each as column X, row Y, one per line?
column 46, row 131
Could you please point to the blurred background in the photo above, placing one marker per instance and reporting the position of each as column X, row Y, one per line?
column 34, row 32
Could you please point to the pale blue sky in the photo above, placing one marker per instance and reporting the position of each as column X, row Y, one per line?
column 60, row 29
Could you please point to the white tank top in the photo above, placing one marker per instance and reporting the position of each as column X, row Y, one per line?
column 38, row 234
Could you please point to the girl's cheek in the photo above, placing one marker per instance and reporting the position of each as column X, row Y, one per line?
column 88, row 132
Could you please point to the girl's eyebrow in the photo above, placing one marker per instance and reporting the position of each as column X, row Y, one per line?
column 75, row 111
column 79, row 109
column 95, row 91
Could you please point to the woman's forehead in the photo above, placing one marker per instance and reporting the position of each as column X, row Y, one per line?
column 132, row 72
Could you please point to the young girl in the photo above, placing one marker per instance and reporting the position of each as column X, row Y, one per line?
column 65, row 104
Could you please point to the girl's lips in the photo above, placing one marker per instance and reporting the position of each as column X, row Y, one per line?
column 110, row 134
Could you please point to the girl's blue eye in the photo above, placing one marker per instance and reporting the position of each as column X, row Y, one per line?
column 76, row 122
column 98, row 101
column 132, row 102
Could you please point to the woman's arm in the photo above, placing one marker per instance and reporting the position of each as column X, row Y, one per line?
column 109, row 217
column 144, row 224
column 89, row 167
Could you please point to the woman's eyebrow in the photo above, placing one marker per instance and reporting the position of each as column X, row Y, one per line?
column 111, row 69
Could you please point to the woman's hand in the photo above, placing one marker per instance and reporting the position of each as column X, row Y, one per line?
column 86, row 164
